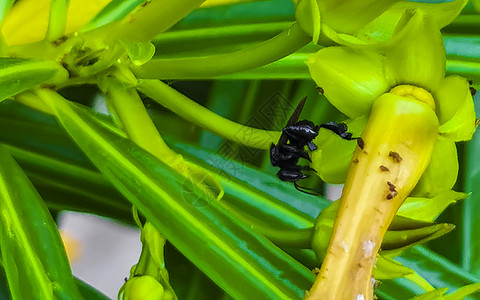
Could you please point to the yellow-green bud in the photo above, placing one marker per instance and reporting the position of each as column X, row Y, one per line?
column 143, row 288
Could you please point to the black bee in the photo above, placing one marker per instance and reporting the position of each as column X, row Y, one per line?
column 291, row 145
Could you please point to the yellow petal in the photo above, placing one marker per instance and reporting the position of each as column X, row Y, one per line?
column 455, row 109
column 419, row 59
column 27, row 21
column 348, row 16
column 333, row 156
column 341, row 72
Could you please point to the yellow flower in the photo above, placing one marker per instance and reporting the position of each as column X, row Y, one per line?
column 353, row 78
column 27, row 21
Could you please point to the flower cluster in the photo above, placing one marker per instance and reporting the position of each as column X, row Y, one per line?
column 385, row 70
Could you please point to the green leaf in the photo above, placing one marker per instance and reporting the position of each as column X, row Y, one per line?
column 462, row 292
column 403, row 233
column 269, row 185
column 18, row 75
column 403, row 239
column 89, row 292
column 113, row 11
column 428, row 209
column 387, row 268
column 431, row 295
column 462, row 46
column 470, row 224
column 437, row 270
column 62, row 174
column 64, row 185
column 57, row 168
column 30, row 240
column 441, row 173
column 397, row 241
column 196, row 225
column 242, row 13
column 459, row 294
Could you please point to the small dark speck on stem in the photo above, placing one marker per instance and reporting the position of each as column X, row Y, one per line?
column 395, row 156
column 384, row 169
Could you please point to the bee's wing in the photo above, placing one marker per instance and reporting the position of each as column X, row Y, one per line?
column 293, row 119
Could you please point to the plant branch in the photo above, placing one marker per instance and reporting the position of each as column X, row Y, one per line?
column 131, row 113
column 58, row 19
column 149, row 20
column 134, row 118
column 371, row 197
column 283, row 44
column 300, row 238
column 201, row 116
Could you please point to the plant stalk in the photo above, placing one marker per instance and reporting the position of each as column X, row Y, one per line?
column 281, row 45
column 398, row 142
column 201, row 116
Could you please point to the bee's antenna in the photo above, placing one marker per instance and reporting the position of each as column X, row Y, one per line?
column 304, row 189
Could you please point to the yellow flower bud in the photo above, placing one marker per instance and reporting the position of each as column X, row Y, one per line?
column 143, row 288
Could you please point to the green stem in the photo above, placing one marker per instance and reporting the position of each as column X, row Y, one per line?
column 150, row 19
column 201, row 116
column 292, row 237
column 283, row 44
column 138, row 125
column 58, row 19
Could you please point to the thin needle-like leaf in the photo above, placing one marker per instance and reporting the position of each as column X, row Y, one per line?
column 30, row 240
column 195, row 224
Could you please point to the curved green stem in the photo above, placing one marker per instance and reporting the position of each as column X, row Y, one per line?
column 138, row 125
column 201, row 116
column 237, row 31
column 299, row 238
column 283, row 44
column 149, row 20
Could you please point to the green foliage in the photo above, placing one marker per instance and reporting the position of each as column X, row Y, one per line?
column 216, row 198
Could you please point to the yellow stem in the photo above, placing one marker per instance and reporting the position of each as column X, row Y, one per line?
column 398, row 142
